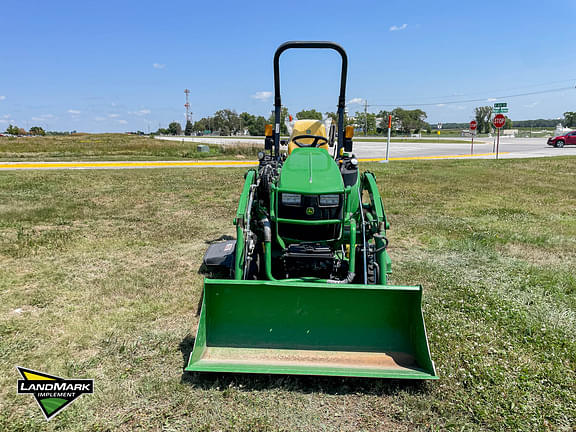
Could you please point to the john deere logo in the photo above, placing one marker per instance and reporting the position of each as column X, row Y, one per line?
column 52, row 393
column 310, row 211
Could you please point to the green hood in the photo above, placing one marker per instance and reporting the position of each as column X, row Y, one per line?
column 311, row 171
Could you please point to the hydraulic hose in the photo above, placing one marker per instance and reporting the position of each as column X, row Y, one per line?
column 352, row 261
column 267, row 247
column 268, row 256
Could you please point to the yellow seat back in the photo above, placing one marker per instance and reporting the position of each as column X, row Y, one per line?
column 307, row 127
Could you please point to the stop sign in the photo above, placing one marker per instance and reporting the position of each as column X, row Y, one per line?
column 499, row 121
column 473, row 125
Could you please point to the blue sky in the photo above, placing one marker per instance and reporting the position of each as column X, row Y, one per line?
column 123, row 65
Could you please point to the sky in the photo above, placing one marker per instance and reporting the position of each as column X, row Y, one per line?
column 114, row 66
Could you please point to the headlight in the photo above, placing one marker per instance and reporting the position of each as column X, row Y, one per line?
column 329, row 200
column 291, row 199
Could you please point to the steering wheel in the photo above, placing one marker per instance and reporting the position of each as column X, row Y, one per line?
column 318, row 140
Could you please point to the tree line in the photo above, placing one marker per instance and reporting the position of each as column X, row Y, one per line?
column 34, row 130
column 228, row 122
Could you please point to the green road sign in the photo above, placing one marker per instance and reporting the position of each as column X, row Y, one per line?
column 500, row 110
column 500, row 104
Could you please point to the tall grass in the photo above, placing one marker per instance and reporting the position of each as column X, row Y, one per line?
column 114, row 147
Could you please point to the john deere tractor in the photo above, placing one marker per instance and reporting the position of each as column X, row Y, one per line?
column 303, row 288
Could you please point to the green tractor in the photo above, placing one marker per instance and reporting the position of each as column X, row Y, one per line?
column 303, row 288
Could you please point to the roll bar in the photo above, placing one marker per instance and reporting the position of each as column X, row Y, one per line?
column 341, row 98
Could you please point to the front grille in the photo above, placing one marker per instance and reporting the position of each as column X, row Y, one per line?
column 310, row 232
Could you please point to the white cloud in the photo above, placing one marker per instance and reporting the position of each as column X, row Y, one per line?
column 5, row 121
column 262, row 95
column 357, row 101
column 491, row 99
column 71, row 111
column 2, row 97
column 43, row 117
column 141, row 112
column 113, row 115
column 531, row 105
column 6, row 116
column 158, row 66
column 440, row 105
column 122, row 121
column 398, row 28
column 99, row 118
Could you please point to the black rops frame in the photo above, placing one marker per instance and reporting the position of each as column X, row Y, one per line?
column 341, row 97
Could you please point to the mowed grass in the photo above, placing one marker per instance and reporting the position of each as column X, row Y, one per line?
column 115, row 147
column 99, row 279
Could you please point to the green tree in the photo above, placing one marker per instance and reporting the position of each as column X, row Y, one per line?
column 409, row 120
column 257, row 128
column 331, row 115
column 483, row 116
column 283, row 115
column 310, row 114
column 202, row 125
column 189, row 128
column 226, row 121
column 382, row 121
column 175, row 128
column 37, row 130
column 12, row 130
column 255, row 125
column 366, row 122
column 247, row 121
column 508, row 124
column 570, row 119
column 334, row 117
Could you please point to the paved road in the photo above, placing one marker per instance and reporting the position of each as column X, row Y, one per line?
column 365, row 150
column 483, row 147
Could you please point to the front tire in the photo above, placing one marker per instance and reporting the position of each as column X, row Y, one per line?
column 559, row 144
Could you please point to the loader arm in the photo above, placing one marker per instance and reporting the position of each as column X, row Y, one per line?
column 240, row 222
column 379, row 225
column 378, row 213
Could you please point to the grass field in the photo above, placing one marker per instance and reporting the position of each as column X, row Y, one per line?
column 114, row 147
column 130, row 147
column 99, row 279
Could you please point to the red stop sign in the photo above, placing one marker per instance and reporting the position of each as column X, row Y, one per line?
column 473, row 125
column 499, row 121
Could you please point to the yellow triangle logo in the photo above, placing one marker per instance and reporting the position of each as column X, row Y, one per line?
column 33, row 376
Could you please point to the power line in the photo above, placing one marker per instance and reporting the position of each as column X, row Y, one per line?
column 507, row 89
column 474, row 100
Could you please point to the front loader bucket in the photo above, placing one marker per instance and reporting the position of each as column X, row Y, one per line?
column 308, row 328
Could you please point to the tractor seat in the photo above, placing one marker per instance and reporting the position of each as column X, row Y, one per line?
column 307, row 127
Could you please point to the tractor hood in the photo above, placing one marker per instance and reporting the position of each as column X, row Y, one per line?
column 311, row 171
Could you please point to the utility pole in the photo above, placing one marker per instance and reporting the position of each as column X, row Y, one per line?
column 187, row 105
column 365, row 117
